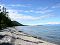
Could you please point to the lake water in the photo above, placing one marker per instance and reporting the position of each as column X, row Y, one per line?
column 47, row 33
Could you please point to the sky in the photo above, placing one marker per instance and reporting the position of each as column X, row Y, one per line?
column 33, row 12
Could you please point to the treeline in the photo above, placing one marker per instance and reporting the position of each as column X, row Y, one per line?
column 5, row 21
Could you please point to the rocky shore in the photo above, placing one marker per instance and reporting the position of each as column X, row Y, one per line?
column 11, row 36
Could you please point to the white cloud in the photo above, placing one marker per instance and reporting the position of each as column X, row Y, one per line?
column 3, row 5
column 45, row 8
column 20, row 5
column 14, row 11
column 56, row 6
column 15, row 16
column 46, row 16
column 29, row 11
column 20, row 16
column 42, row 8
column 32, row 11
column 39, row 12
column 44, row 11
column 53, row 23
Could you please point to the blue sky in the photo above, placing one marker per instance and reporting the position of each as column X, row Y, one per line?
column 33, row 12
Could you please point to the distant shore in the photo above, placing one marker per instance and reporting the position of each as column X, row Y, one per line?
column 12, row 36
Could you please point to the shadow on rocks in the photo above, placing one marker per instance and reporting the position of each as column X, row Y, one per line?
column 1, row 36
column 5, row 44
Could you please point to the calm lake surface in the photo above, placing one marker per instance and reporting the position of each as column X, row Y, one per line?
column 47, row 33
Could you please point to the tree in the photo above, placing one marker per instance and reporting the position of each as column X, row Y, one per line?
column 5, row 21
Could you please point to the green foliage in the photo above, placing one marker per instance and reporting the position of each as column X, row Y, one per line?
column 5, row 21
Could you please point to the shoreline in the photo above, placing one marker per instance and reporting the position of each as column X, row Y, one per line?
column 16, row 37
column 40, row 38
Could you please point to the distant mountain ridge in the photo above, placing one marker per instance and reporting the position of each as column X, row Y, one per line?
column 15, row 23
column 53, row 24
